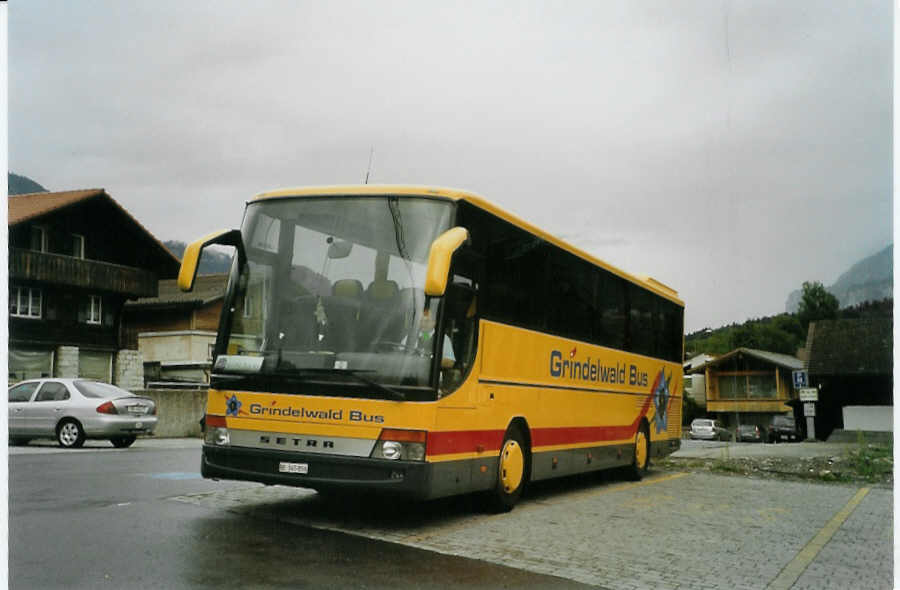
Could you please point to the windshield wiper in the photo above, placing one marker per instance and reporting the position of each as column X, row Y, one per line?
column 391, row 392
column 296, row 373
column 299, row 372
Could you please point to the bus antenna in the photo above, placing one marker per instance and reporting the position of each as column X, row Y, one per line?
column 369, row 169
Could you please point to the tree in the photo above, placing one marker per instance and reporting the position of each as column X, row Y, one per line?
column 816, row 304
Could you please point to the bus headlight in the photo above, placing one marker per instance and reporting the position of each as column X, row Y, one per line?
column 391, row 449
column 218, row 436
column 396, row 444
column 216, row 431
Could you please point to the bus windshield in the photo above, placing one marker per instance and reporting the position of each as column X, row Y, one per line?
column 333, row 291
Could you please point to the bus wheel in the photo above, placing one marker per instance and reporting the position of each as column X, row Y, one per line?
column 641, row 454
column 511, row 471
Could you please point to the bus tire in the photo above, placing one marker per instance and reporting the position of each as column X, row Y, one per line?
column 641, row 460
column 512, row 470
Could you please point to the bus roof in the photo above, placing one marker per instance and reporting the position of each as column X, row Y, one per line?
column 353, row 190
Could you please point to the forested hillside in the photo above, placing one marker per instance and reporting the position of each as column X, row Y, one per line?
column 21, row 185
column 782, row 333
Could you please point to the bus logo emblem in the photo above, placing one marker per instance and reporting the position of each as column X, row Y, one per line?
column 232, row 406
column 661, row 400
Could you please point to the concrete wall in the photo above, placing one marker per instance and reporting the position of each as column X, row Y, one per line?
column 180, row 346
column 869, row 418
column 178, row 411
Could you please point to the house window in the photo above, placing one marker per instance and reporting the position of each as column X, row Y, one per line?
column 25, row 302
column 94, row 312
column 78, row 246
column 38, row 238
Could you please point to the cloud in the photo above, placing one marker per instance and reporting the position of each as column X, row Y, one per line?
column 717, row 146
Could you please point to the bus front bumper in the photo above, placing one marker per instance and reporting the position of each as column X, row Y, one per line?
column 323, row 472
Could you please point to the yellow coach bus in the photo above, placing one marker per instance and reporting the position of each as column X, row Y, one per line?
column 422, row 341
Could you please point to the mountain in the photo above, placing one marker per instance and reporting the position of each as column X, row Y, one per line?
column 211, row 261
column 20, row 185
column 870, row 279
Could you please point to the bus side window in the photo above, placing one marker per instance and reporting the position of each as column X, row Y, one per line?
column 459, row 329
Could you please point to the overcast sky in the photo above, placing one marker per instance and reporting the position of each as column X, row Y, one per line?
column 730, row 149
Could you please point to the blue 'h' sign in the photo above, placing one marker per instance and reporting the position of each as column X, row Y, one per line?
column 801, row 379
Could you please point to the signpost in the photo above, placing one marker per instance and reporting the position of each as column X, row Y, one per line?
column 809, row 394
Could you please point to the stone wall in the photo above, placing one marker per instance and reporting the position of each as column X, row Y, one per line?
column 128, row 371
column 66, row 362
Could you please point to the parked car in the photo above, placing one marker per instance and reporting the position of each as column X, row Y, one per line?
column 708, row 429
column 72, row 410
column 749, row 432
column 782, row 428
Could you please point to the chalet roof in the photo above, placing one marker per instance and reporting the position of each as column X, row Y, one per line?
column 860, row 346
column 784, row 361
column 207, row 289
column 30, row 206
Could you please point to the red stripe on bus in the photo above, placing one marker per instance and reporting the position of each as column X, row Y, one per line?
column 464, row 441
column 472, row 441
column 545, row 437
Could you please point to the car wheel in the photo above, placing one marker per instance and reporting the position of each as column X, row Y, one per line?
column 121, row 442
column 641, row 461
column 511, row 472
column 18, row 441
column 70, row 434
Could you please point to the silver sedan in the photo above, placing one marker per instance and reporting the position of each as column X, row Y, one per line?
column 72, row 410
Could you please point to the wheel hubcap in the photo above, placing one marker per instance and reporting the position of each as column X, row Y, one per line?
column 69, row 434
column 640, row 451
column 512, row 466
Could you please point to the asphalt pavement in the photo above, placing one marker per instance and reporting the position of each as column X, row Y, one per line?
column 100, row 517
column 142, row 517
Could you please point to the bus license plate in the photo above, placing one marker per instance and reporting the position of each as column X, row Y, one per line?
column 284, row 467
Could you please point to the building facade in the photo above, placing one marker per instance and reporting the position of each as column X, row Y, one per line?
column 749, row 386
column 176, row 331
column 851, row 364
column 75, row 258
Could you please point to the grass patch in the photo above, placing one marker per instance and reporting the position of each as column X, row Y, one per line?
column 725, row 466
column 871, row 462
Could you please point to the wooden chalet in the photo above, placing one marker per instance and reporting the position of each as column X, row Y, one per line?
column 749, row 386
column 75, row 258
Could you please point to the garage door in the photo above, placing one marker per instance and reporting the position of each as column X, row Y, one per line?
column 93, row 364
column 29, row 364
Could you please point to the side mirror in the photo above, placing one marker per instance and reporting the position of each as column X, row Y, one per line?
column 439, row 257
column 191, row 260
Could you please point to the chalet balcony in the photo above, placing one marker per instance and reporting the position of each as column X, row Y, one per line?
column 57, row 269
